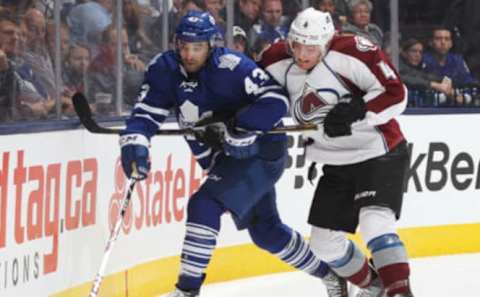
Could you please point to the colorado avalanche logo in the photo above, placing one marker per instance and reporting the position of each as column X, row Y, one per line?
column 364, row 45
column 314, row 104
column 311, row 102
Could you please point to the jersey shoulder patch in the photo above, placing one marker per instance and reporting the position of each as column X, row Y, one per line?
column 229, row 61
column 364, row 45
column 355, row 46
column 273, row 54
column 350, row 43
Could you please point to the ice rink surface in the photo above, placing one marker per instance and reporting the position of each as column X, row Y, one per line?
column 447, row 276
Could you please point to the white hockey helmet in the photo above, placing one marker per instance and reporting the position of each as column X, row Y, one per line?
column 312, row 27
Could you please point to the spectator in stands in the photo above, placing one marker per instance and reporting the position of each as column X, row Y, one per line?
column 36, row 54
column 87, row 21
column 359, row 21
column 215, row 8
column 75, row 68
column 178, row 10
column 246, row 13
column 21, row 96
column 258, row 47
column 329, row 6
column 341, row 8
column 442, row 62
column 272, row 26
column 66, row 93
column 240, row 42
column 64, row 40
column 139, row 42
column 155, row 26
column 188, row 5
column 7, row 86
column 291, row 8
column 463, row 15
column 102, row 73
column 418, row 80
column 17, row 8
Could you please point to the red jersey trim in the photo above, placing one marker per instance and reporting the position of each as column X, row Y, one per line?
column 273, row 54
column 391, row 133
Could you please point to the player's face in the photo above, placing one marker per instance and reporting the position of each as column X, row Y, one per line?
column 306, row 56
column 193, row 54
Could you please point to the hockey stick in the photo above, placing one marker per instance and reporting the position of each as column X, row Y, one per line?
column 82, row 108
column 112, row 239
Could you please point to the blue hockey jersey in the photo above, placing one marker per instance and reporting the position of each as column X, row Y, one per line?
column 229, row 83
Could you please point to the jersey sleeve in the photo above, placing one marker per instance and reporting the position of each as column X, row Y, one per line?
column 371, row 74
column 268, row 101
column 270, row 60
column 154, row 101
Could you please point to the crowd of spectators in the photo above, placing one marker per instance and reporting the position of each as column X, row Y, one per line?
column 434, row 61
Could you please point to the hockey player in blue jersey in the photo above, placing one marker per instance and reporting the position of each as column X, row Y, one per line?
column 196, row 81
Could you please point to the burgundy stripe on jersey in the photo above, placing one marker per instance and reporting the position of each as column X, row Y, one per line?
column 394, row 94
column 391, row 133
column 276, row 52
column 352, row 87
column 391, row 130
column 373, row 57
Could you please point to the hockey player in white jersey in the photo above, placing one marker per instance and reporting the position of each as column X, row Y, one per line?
column 347, row 86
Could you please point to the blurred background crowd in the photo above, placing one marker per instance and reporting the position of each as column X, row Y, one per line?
column 51, row 49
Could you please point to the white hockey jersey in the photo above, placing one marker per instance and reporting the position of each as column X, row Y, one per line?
column 352, row 67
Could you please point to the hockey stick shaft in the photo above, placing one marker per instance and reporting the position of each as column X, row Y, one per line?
column 84, row 113
column 113, row 238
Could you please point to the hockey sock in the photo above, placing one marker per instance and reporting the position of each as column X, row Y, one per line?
column 298, row 254
column 203, row 225
column 353, row 266
column 391, row 261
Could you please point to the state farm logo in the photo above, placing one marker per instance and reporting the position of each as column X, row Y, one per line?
column 120, row 182
column 160, row 199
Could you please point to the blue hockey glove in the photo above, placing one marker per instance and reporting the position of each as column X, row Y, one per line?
column 240, row 145
column 135, row 155
column 339, row 120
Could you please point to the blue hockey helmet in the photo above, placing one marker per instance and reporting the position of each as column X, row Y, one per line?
column 197, row 26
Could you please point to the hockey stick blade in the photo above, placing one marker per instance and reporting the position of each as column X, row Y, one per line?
column 82, row 108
